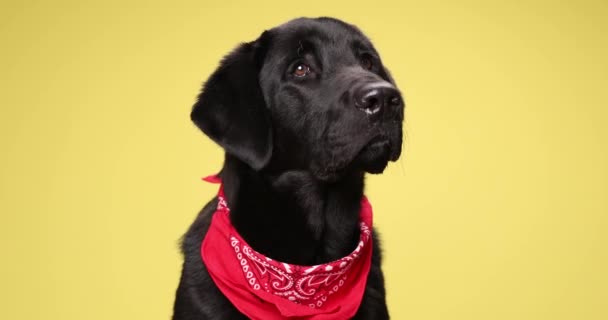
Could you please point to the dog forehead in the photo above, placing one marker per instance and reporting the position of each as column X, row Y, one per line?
column 322, row 27
column 319, row 32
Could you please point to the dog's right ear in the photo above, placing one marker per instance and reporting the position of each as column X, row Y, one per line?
column 231, row 108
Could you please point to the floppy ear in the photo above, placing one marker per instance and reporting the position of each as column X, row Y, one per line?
column 231, row 108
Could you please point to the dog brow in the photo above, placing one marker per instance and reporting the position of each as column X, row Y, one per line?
column 300, row 48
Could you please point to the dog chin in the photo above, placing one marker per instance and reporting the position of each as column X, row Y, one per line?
column 374, row 157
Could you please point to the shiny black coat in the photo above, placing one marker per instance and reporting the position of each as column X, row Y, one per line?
column 303, row 112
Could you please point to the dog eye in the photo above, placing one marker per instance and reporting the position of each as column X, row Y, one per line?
column 301, row 70
column 367, row 63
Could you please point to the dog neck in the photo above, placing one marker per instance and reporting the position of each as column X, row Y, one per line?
column 291, row 216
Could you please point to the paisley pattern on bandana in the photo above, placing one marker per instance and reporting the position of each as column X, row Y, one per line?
column 311, row 286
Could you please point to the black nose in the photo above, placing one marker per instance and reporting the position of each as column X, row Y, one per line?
column 374, row 97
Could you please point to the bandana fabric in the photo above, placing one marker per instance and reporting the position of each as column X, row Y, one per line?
column 266, row 289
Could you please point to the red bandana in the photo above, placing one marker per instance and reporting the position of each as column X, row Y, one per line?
column 265, row 289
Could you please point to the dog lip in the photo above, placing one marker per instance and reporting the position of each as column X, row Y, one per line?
column 378, row 140
column 378, row 143
column 385, row 143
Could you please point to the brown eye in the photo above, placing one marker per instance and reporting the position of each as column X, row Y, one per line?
column 367, row 63
column 301, row 70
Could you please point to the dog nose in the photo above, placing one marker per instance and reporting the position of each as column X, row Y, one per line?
column 372, row 98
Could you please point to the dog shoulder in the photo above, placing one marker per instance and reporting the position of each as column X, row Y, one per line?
column 191, row 241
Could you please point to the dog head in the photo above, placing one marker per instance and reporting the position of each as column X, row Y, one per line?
column 312, row 95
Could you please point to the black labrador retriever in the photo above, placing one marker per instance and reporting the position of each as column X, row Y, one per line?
column 302, row 113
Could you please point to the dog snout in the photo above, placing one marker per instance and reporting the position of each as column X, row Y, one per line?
column 373, row 98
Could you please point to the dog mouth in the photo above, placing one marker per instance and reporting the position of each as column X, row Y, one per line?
column 376, row 154
column 379, row 143
column 371, row 155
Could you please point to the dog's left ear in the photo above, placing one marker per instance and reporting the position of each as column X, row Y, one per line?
column 231, row 108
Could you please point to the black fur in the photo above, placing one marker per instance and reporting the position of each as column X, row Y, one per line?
column 297, row 150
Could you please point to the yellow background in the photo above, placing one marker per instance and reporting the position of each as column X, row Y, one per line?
column 498, row 210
